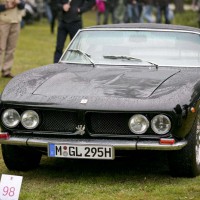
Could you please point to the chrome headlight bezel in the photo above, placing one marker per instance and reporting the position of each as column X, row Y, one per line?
column 142, row 119
column 17, row 120
column 168, row 124
column 31, row 114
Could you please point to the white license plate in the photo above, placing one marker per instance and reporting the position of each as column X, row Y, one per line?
column 81, row 151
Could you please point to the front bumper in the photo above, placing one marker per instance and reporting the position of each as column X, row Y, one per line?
column 116, row 143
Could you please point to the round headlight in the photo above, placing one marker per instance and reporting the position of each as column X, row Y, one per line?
column 138, row 124
column 30, row 119
column 161, row 124
column 10, row 118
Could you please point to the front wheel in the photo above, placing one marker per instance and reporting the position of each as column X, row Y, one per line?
column 186, row 162
column 20, row 158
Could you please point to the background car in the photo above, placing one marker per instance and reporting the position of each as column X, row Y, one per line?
column 116, row 87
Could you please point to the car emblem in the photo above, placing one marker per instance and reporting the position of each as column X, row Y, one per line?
column 80, row 130
column 84, row 101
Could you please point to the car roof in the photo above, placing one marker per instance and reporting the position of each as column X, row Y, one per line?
column 145, row 26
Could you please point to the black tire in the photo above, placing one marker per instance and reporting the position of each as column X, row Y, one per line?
column 186, row 162
column 20, row 158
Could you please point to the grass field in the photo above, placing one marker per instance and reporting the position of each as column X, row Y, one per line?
column 140, row 177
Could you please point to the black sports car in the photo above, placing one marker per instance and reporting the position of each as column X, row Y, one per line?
column 116, row 87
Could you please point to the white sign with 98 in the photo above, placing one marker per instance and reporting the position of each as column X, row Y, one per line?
column 10, row 186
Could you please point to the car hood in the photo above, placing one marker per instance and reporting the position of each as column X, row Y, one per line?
column 105, row 87
column 140, row 82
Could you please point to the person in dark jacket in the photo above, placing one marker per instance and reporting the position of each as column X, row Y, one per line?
column 110, row 6
column 70, row 21
column 54, row 11
column 133, row 11
column 162, row 7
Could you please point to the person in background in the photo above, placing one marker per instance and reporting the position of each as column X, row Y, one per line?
column 70, row 21
column 196, row 3
column 54, row 11
column 147, row 12
column 10, row 19
column 48, row 10
column 110, row 6
column 31, row 12
column 162, row 7
column 100, row 10
column 133, row 11
column 6, row 6
column 119, row 11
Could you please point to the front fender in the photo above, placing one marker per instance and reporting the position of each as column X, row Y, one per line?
column 186, row 120
column 191, row 110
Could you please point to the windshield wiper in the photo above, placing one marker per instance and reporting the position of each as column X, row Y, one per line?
column 84, row 54
column 130, row 58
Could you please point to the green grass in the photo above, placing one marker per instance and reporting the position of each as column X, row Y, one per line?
column 143, row 177
column 188, row 18
column 139, row 179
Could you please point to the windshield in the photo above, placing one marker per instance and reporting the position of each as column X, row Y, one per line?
column 163, row 48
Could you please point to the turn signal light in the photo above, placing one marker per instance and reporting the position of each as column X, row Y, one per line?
column 4, row 136
column 167, row 141
column 193, row 110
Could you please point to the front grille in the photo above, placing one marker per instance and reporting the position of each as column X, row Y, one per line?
column 58, row 121
column 96, row 124
column 108, row 123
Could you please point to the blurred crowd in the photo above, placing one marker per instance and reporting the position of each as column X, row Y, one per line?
column 36, row 9
column 107, row 11
column 135, row 11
